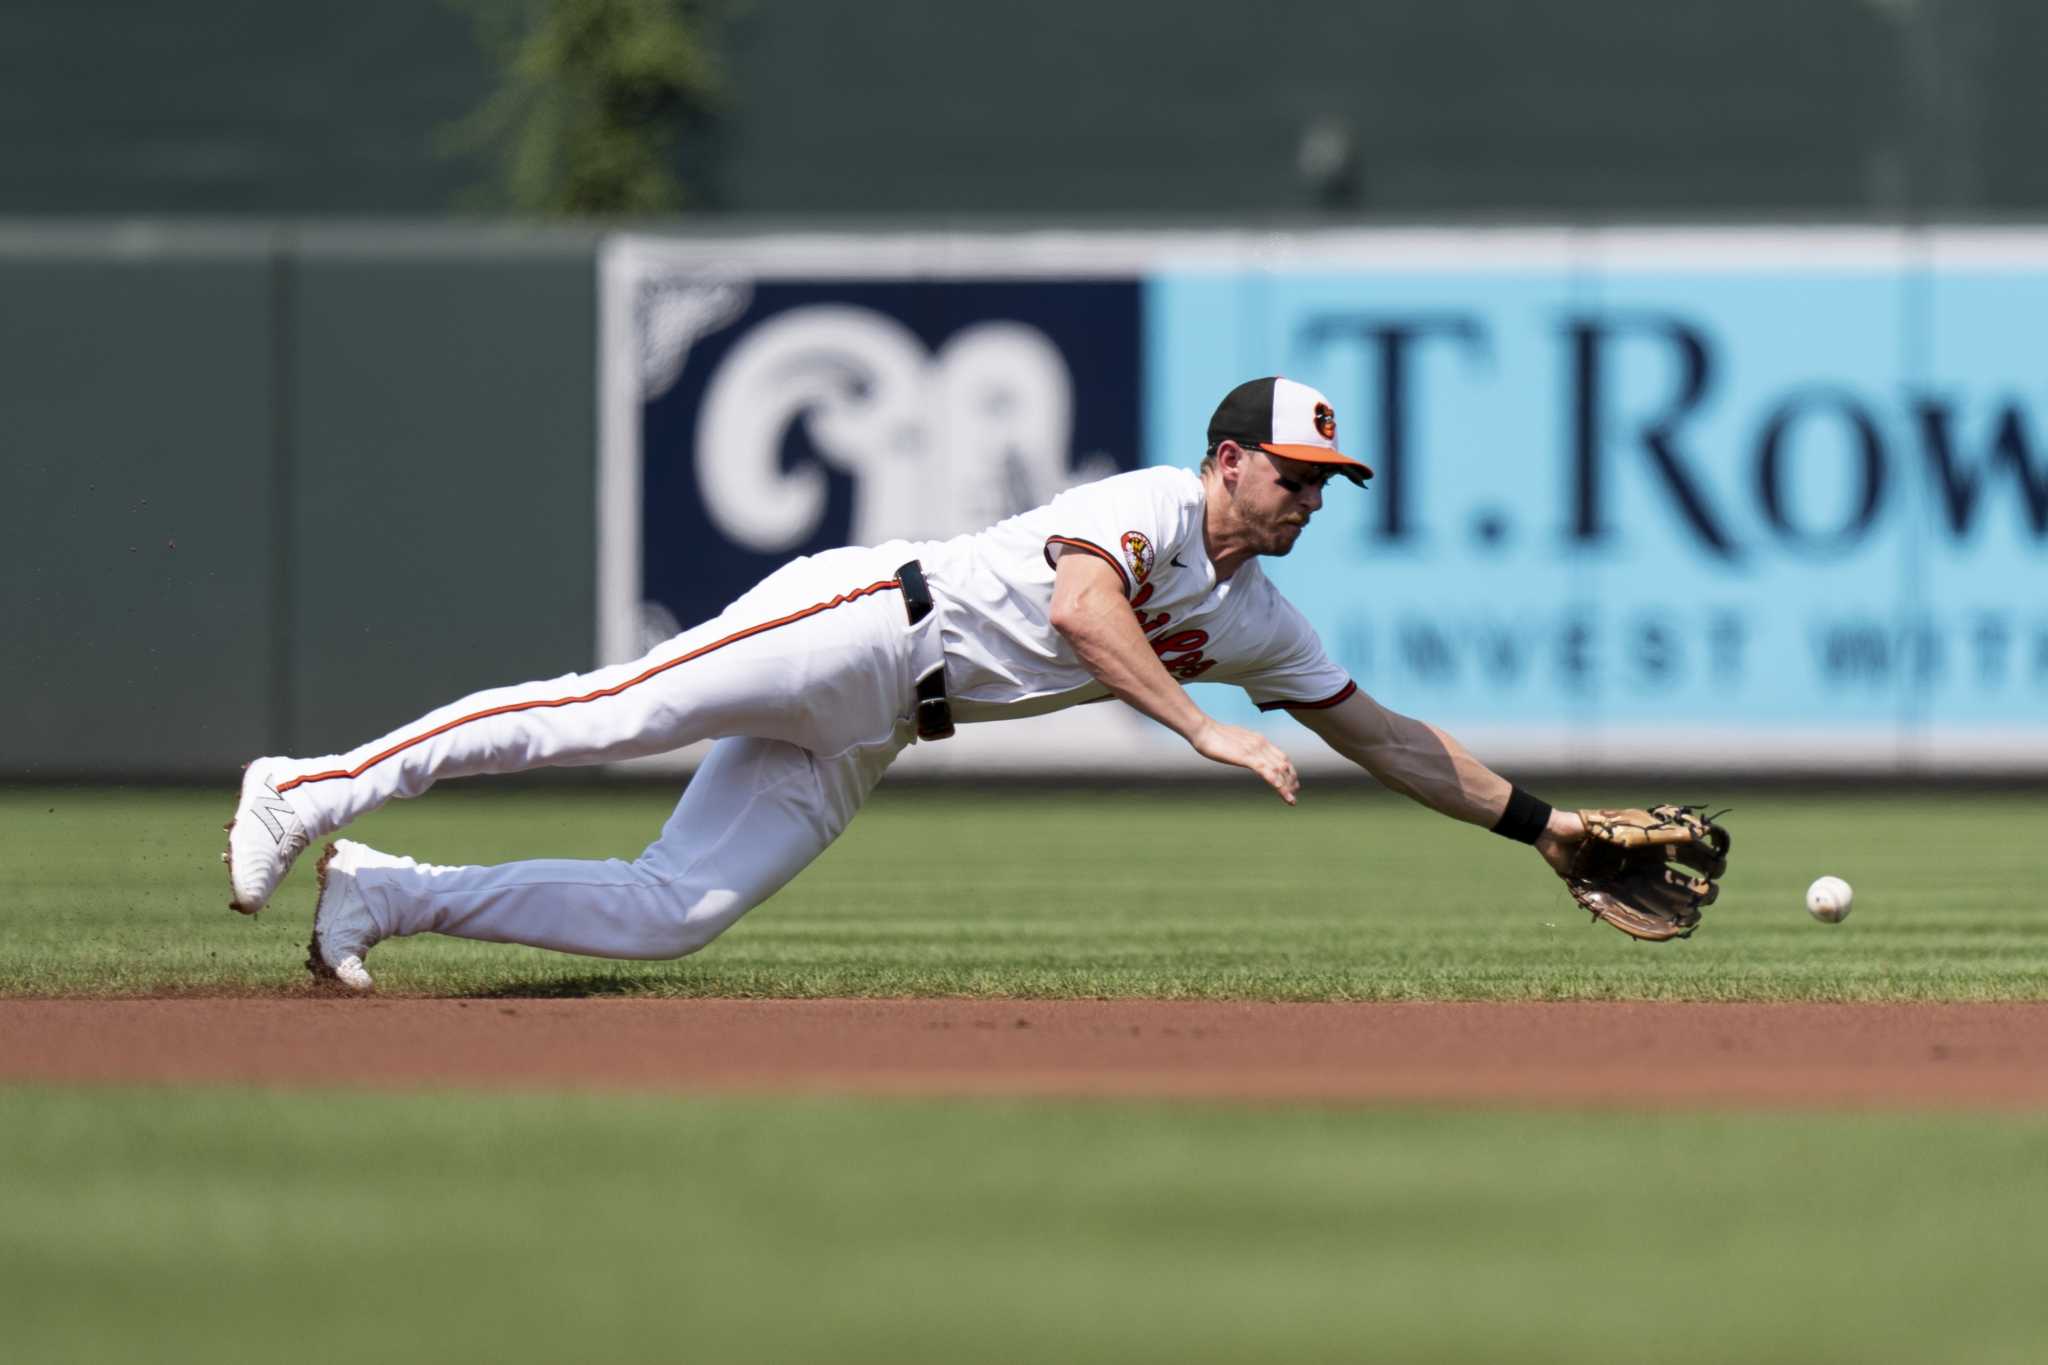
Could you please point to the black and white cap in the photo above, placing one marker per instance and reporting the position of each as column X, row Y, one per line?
column 1284, row 418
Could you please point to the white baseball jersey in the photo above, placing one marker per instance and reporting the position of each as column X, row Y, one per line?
column 994, row 595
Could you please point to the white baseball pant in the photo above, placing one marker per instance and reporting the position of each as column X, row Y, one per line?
column 806, row 682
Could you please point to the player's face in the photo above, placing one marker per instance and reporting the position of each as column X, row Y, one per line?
column 1275, row 497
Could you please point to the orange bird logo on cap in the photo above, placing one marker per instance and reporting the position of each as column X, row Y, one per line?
column 1326, row 422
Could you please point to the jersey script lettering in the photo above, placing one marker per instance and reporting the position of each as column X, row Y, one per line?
column 1187, row 644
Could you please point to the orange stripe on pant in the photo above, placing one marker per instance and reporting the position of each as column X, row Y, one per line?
column 698, row 653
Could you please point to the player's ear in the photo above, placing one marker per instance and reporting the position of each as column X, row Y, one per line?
column 1230, row 458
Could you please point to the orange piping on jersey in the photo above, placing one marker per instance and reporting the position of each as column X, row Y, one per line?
column 1092, row 548
column 1343, row 695
column 599, row 695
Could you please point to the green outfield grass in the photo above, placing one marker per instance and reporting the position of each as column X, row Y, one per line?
column 226, row 1226
column 1202, row 891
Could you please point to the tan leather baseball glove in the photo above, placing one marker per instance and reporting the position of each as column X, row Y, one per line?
column 1648, row 873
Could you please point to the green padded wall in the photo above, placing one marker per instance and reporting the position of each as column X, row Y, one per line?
column 268, row 491
column 446, row 496
column 136, row 509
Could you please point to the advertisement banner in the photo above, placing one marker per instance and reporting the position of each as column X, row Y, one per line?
column 1735, row 500
column 763, row 404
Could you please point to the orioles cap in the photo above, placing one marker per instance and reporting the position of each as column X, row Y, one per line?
column 1287, row 419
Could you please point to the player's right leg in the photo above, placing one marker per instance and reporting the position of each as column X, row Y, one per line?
column 756, row 813
column 820, row 654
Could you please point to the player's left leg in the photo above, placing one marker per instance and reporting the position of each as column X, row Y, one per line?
column 820, row 653
column 756, row 813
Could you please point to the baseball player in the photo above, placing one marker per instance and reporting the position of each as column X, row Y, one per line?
column 815, row 679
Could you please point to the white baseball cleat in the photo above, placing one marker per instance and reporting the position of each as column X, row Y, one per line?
column 264, row 839
column 342, row 928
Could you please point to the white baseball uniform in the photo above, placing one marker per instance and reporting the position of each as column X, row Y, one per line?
column 807, row 683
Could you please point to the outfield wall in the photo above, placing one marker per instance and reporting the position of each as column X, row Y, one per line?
column 1675, row 500
column 279, row 489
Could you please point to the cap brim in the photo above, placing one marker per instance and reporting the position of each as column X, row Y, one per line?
column 1356, row 470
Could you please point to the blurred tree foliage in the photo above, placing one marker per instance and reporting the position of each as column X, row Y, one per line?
column 592, row 102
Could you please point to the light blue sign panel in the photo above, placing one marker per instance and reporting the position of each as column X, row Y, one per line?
column 1979, row 441
column 1784, row 505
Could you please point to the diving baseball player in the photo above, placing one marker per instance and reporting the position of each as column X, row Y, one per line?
column 815, row 679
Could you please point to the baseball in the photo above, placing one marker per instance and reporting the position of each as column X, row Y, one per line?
column 1828, row 900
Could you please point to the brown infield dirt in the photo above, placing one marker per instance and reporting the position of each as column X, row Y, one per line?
column 1931, row 1056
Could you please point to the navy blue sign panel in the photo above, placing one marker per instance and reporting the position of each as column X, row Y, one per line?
column 784, row 418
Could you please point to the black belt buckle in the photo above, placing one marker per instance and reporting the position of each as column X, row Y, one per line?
column 934, row 711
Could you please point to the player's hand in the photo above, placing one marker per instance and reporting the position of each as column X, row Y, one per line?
column 1560, row 839
column 1248, row 749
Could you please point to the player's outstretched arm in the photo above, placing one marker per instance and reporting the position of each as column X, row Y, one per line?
column 1423, row 763
column 1648, row 873
column 1089, row 610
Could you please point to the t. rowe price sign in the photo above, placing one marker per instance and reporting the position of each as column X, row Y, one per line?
column 1663, row 499
column 1747, row 499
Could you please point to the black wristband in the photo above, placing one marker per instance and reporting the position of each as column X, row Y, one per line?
column 1525, row 818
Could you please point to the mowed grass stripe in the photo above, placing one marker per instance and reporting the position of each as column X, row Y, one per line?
column 1355, row 895
column 222, row 1225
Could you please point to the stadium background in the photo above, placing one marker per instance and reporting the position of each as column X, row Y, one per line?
column 1736, row 307
column 276, row 405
